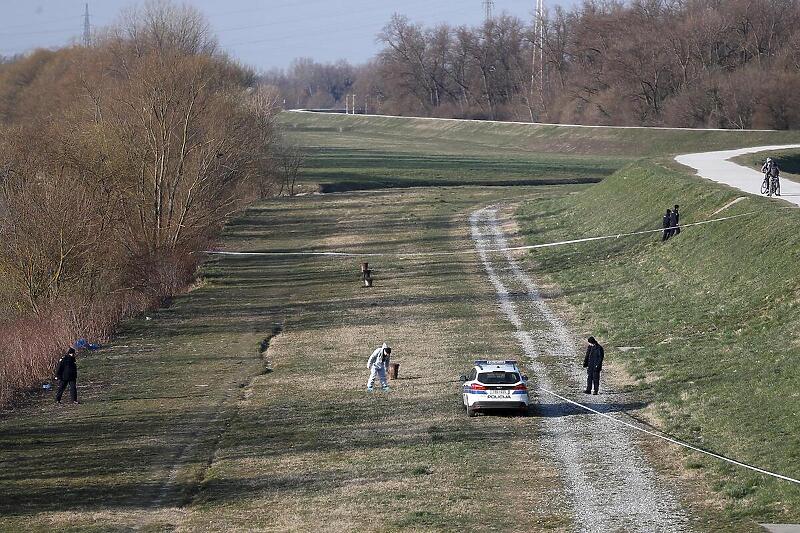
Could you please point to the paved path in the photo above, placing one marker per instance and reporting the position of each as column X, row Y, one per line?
column 717, row 167
column 608, row 482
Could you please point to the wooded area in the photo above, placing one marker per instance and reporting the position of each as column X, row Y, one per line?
column 691, row 63
column 118, row 162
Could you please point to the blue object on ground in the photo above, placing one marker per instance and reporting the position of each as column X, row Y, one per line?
column 83, row 343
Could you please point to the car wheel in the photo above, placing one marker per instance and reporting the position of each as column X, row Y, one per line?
column 471, row 411
column 523, row 411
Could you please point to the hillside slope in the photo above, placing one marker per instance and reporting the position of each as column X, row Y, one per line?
column 714, row 312
column 403, row 134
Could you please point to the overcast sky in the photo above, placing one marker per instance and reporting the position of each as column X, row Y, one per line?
column 261, row 33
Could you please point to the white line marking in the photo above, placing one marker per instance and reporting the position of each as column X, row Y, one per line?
column 729, row 204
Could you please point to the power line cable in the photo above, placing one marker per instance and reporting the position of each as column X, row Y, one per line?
column 41, row 32
column 40, row 23
column 321, row 31
column 339, row 15
column 265, row 8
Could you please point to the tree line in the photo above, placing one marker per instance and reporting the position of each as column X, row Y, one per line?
column 118, row 163
column 689, row 63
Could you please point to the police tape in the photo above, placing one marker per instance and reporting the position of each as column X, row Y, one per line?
column 532, row 247
column 672, row 440
column 472, row 250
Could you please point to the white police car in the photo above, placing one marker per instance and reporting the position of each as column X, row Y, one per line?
column 495, row 385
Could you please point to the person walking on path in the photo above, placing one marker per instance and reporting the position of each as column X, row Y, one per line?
column 377, row 364
column 676, row 219
column 667, row 224
column 67, row 375
column 593, row 363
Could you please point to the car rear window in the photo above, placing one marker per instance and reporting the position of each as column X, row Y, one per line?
column 498, row 377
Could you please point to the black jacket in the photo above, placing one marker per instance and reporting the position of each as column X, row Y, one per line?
column 667, row 220
column 673, row 218
column 676, row 216
column 594, row 357
column 67, row 369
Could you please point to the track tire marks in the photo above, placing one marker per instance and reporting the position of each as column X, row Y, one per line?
column 608, row 481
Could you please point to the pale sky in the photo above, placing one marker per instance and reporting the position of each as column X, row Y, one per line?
column 261, row 33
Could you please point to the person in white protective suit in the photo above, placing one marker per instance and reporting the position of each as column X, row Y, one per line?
column 377, row 364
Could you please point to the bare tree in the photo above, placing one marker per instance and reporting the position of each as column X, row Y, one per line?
column 290, row 162
column 606, row 61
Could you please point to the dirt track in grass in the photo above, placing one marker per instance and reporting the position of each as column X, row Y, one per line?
column 609, row 483
column 309, row 446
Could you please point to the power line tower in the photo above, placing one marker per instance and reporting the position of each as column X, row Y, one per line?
column 87, row 35
column 538, row 46
column 488, row 5
column 540, row 31
column 537, row 53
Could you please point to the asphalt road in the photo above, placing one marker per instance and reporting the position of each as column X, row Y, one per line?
column 716, row 166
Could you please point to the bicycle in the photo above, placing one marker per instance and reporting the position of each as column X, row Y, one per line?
column 771, row 185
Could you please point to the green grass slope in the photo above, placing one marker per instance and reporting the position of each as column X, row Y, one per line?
column 342, row 169
column 715, row 311
column 359, row 153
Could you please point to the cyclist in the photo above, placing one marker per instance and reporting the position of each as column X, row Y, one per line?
column 771, row 176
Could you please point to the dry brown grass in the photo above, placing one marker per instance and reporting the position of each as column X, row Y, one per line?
column 330, row 455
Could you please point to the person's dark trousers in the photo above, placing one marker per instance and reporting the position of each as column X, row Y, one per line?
column 73, row 390
column 676, row 230
column 667, row 233
column 592, row 379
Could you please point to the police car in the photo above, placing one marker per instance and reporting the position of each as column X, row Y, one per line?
column 495, row 385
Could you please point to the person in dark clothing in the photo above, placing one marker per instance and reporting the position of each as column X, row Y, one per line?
column 667, row 224
column 674, row 219
column 593, row 363
column 67, row 374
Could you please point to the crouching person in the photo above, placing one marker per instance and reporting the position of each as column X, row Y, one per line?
column 377, row 364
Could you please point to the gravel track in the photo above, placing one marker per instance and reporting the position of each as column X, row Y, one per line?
column 608, row 481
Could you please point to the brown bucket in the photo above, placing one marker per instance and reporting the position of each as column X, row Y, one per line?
column 394, row 370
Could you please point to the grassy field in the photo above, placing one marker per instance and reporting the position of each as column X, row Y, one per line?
column 187, row 425
column 182, row 412
column 501, row 140
column 342, row 169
